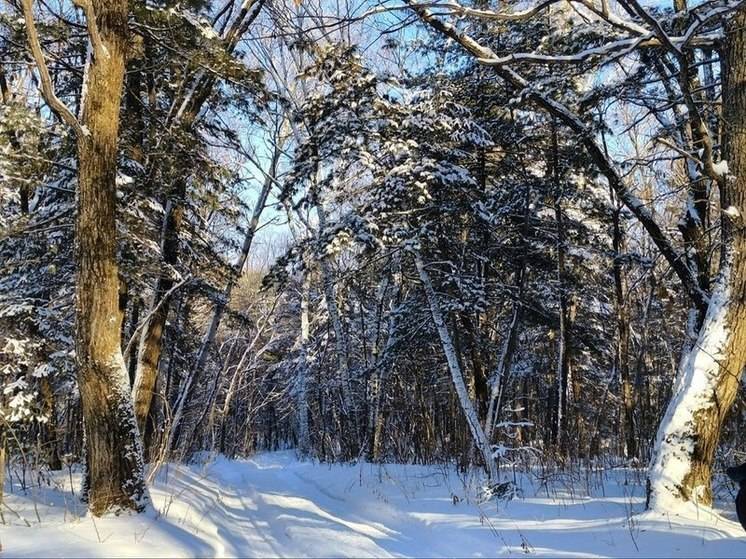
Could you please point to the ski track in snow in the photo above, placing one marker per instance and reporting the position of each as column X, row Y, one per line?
column 273, row 505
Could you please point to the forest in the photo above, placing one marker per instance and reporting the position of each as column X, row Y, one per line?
column 260, row 252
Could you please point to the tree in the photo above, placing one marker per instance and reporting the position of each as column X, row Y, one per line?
column 685, row 447
column 710, row 372
column 114, row 467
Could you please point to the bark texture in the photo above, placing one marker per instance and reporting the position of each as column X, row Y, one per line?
column 709, row 374
column 467, row 406
column 113, row 450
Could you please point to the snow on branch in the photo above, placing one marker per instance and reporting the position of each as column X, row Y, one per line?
column 566, row 116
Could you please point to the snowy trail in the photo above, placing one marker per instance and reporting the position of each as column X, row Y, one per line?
column 274, row 506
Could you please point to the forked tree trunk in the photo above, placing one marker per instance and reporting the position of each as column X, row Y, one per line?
column 709, row 374
column 113, row 449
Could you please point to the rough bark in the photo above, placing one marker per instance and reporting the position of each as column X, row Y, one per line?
column 113, row 450
column 151, row 339
column 709, row 374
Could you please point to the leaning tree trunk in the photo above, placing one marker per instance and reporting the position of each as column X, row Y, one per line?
column 467, row 406
column 709, row 374
column 196, row 373
column 189, row 107
column 113, row 450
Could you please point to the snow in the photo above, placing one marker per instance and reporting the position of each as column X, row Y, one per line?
column 732, row 212
column 692, row 393
column 721, row 168
column 272, row 505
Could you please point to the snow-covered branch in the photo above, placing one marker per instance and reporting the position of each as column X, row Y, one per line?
column 566, row 116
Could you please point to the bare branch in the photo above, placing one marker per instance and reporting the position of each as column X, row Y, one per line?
column 47, row 89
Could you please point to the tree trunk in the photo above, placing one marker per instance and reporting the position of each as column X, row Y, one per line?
column 113, row 450
column 467, row 406
column 304, row 436
column 622, row 356
column 2, row 467
column 709, row 373
column 340, row 339
column 565, row 322
column 151, row 339
column 381, row 373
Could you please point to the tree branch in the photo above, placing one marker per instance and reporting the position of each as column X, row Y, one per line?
column 99, row 49
column 662, row 241
column 47, row 89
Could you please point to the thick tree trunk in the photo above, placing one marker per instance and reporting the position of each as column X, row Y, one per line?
column 709, row 374
column 113, row 450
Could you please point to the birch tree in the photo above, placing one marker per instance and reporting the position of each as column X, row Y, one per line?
column 704, row 389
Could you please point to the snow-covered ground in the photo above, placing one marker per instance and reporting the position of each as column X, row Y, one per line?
column 273, row 505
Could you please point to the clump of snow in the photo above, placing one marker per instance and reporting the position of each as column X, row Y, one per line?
column 721, row 168
column 123, row 179
column 732, row 212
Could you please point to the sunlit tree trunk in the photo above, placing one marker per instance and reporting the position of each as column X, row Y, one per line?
column 113, row 449
column 709, row 373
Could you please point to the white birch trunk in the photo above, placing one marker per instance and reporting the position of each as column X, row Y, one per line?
column 304, row 436
column 467, row 406
column 694, row 391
